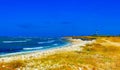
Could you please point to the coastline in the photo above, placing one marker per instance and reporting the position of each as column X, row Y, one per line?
column 33, row 51
column 74, row 46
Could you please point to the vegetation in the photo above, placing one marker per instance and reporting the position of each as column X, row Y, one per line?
column 12, row 65
column 101, row 55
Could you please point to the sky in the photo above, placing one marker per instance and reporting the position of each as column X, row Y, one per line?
column 59, row 17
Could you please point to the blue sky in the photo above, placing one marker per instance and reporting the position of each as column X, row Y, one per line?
column 59, row 17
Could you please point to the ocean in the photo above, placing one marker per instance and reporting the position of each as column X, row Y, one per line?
column 18, row 45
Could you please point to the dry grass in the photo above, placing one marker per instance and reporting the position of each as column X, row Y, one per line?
column 13, row 65
column 93, row 57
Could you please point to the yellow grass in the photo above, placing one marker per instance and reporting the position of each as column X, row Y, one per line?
column 13, row 65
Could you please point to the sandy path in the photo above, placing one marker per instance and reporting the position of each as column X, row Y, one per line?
column 110, row 43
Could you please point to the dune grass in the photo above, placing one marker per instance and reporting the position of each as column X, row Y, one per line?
column 96, row 56
column 12, row 65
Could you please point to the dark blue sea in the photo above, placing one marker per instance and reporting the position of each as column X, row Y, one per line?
column 17, row 45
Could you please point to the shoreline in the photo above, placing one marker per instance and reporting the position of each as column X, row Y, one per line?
column 74, row 46
column 32, row 51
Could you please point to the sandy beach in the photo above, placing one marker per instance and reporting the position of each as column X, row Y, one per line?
column 74, row 46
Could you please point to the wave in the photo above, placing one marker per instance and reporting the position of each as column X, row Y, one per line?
column 55, row 44
column 35, row 48
column 14, row 41
column 46, row 42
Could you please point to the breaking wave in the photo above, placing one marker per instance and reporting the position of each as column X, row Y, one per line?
column 46, row 42
column 14, row 41
column 35, row 48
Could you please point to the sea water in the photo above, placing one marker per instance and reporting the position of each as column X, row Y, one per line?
column 17, row 45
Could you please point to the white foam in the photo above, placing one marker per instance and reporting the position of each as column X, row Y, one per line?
column 46, row 42
column 35, row 48
column 14, row 41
